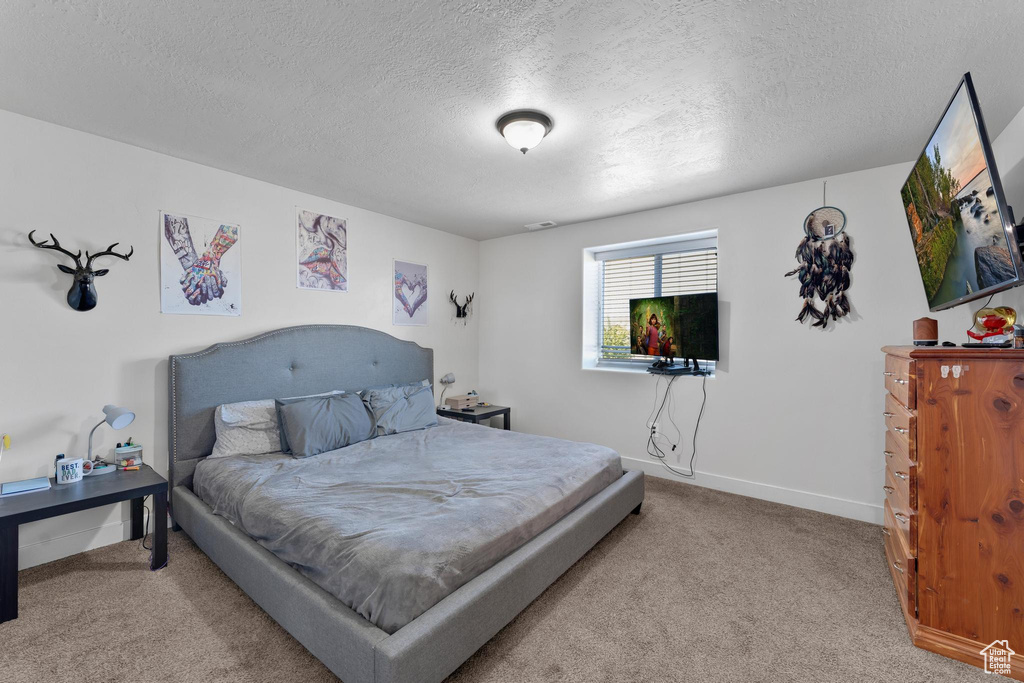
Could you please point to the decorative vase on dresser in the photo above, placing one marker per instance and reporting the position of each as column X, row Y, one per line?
column 954, row 499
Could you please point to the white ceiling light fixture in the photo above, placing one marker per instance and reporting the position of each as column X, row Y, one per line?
column 523, row 129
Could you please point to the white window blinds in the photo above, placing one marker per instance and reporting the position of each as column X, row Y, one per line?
column 683, row 271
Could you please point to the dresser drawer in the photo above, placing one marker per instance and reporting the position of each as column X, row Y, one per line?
column 899, row 444
column 904, row 518
column 902, row 564
column 901, row 380
column 901, row 425
column 898, row 417
column 901, row 485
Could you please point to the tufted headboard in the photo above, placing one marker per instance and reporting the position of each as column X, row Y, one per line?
column 292, row 361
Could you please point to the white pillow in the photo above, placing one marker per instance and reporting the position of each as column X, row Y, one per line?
column 248, row 428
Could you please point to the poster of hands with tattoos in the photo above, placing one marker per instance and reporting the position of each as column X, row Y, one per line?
column 322, row 251
column 200, row 266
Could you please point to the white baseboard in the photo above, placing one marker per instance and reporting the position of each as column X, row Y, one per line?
column 57, row 547
column 50, row 549
column 865, row 512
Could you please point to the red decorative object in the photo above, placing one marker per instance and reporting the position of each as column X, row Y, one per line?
column 991, row 322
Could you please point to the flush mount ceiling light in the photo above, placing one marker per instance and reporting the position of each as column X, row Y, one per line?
column 524, row 128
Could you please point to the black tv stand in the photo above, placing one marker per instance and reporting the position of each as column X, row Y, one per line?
column 673, row 370
column 667, row 367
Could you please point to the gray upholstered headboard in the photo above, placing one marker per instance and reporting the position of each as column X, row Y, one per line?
column 292, row 361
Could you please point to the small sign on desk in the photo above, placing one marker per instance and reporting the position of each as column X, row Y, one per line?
column 16, row 488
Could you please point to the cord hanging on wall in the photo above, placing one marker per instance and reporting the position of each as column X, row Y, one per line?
column 826, row 256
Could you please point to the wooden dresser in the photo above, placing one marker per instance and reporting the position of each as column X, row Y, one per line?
column 954, row 497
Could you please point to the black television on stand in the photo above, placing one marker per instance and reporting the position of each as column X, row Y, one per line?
column 684, row 325
column 963, row 231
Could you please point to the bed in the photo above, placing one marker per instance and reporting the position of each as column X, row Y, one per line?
column 423, row 642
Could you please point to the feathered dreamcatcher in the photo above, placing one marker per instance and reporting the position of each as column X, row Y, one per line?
column 826, row 256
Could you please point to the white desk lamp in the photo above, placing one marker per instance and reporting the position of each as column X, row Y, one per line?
column 447, row 381
column 118, row 418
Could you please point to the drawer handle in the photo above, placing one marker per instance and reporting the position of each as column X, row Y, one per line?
column 901, row 517
column 898, row 566
column 902, row 475
column 886, row 532
column 887, row 373
column 901, row 430
column 888, row 414
column 901, row 381
column 888, row 489
column 888, row 454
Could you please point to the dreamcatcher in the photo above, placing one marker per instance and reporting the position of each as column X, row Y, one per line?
column 825, row 257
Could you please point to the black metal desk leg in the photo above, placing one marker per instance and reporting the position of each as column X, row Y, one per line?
column 8, row 573
column 508, row 420
column 137, row 518
column 158, row 560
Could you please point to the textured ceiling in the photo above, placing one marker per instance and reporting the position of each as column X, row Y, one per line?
column 390, row 106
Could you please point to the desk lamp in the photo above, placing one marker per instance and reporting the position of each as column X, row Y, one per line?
column 447, row 381
column 118, row 418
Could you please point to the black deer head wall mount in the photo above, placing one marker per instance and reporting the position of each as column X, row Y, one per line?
column 461, row 312
column 82, row 295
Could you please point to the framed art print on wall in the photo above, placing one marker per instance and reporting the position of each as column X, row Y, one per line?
column 200, row 266
column 321, row 246
column 409, row 303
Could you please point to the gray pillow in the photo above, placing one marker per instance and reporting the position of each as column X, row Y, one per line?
column 401, row 408
column 322, row 423
column 249, row 427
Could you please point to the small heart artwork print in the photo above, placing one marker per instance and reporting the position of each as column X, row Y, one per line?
column 409, row 302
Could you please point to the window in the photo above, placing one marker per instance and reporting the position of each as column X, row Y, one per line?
column 681, row 265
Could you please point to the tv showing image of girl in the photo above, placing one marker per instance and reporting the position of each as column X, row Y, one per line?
column 651, row 323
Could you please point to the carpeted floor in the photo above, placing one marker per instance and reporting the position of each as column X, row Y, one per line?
column 702, row 586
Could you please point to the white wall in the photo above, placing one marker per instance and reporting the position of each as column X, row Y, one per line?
column 58, row 367
column 794, row 414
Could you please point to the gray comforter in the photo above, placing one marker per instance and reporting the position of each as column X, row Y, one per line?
column 392, row 525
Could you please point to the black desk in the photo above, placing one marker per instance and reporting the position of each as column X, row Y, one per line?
column 478, row 414
column 63, row 499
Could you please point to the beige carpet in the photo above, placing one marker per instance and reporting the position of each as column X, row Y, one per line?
column 702, row 586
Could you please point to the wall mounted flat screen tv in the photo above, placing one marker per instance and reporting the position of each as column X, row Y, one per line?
column 682, row 326
column 956, row 212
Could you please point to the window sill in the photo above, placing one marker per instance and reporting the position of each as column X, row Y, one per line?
column 639, row 370
column 632, row 369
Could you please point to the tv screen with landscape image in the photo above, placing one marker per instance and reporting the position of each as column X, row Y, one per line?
column 956, row 212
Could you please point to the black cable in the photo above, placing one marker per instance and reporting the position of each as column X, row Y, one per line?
column 655, row 451
column 672, row 419
column 653, row 419
column 145, row 534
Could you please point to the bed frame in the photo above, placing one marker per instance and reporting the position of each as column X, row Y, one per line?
column 315, row 358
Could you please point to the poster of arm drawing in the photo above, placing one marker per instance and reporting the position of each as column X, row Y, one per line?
column 200, row 266
column 409, row 304
column 321, row 243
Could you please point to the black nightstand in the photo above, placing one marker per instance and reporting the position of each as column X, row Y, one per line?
column 62, row 499
column 479, row 414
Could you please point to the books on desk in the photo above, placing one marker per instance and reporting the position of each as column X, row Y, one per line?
column 14, row 488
